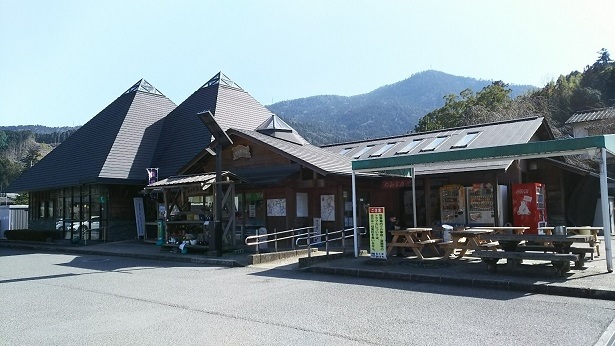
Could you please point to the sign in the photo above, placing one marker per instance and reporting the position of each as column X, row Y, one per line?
column 139, row 217
column 396, row 184
column 317, row 230
column 377, row 233
column 240, row 151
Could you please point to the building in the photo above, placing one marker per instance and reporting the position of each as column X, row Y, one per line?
column 274, row 179
column 594, row 122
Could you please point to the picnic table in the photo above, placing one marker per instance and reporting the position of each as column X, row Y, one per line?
column 579, row 230
column 515, row 249
column 413, row 238
column 504, row 229
column 464, row 240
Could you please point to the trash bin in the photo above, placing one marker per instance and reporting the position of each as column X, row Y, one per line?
column 559, row 230
column 446, row 232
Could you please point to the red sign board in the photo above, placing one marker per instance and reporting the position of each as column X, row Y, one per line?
column 395, row 184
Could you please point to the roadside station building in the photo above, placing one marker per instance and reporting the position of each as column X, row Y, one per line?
column 274, row 178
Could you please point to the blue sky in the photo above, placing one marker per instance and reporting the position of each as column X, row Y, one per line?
column 63, row 61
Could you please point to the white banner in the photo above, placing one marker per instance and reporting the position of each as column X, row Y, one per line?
column 139, row 216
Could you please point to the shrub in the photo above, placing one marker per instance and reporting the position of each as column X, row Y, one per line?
column 31, row 235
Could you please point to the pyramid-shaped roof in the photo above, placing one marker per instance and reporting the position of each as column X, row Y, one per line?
column 116, row 146
column 278, row 128
column 184, row 135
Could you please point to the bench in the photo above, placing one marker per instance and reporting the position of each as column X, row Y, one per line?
column 581, row 251
column 560, row 261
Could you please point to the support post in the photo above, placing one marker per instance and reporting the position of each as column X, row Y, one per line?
column 606, row 222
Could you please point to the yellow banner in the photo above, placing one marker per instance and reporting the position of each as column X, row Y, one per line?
column 377, row 233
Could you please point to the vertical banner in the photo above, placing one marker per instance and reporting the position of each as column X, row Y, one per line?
column 377, row 233
column 152, row 175
column 139, row 217
column 317, row 230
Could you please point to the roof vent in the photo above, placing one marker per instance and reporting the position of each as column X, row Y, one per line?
column 276, row 127
column 221, row 79
column 145, row 87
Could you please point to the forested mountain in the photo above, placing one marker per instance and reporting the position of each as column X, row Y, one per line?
column 389, row 110
column 23, row 146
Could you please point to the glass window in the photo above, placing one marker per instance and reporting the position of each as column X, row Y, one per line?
column 435, row 143
column 467, row 139
column 362, row 151
column 383, row 150
column 406, row 149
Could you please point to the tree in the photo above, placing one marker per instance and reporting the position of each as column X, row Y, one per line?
column 33, row 155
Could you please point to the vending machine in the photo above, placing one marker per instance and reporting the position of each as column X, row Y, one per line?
column 482, row 204
column 452, row 205
column 529, row 206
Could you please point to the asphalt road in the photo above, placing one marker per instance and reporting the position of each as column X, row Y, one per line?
column 54, row 299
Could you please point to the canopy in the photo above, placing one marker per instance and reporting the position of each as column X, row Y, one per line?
column 595, row 146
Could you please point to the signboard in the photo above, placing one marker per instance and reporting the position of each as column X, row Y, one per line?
column 396, row 184
column 377, row 233
column 317, row 230
column 139, row 217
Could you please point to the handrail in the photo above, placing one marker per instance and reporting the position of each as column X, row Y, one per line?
column 305, row 235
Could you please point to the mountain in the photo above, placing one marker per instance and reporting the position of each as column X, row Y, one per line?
column 389, row 110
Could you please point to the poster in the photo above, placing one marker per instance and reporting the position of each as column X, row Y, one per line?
column 302, row 204
column 139, row 217
column 276, row 207
column 377, row 233
column 327, row 207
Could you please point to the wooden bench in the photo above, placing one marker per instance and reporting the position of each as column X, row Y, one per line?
column 581, row 251
column 561, row 262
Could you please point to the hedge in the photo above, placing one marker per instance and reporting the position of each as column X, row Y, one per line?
column 31, row 235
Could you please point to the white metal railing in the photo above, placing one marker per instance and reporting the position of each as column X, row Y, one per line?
column 304, row 237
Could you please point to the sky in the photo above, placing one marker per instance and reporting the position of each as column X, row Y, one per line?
column 64, row 61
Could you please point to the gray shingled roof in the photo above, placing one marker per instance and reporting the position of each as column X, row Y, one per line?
column 116, row 146
column 489, row 135
column 318, row 159
column 184, row 135
column 604, row 113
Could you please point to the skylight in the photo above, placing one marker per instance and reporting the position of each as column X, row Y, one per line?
column 467, row 139
column 409, row 147
column 383, row 150
column 435, row 143
column 362, row 151
column 345, row 151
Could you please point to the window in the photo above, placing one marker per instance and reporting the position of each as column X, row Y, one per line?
column 435, row 143
column 362, row 151
column 466, row 140
column 383, row 150
column 409, row 147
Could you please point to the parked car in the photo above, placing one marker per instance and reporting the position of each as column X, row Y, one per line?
column 64, row 224
column 89, row 227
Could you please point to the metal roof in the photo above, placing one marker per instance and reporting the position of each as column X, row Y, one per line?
column 448, row 140
column 184, row 135
column 541, row 149
column 318, row 159
column 604, row 113
column 204, row 179
column 115, row 146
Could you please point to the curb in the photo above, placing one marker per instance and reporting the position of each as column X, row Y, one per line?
column 187, row 259
column 481, row 283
